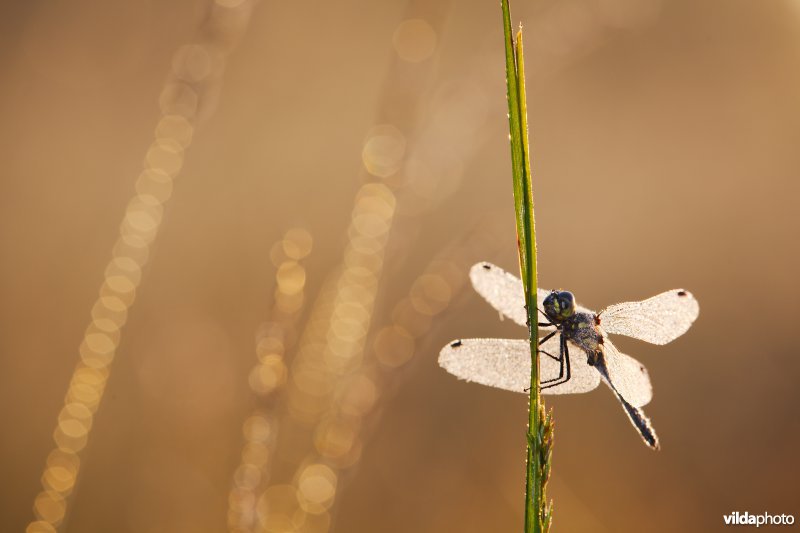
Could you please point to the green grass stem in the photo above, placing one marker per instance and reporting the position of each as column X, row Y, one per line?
column 538, row 511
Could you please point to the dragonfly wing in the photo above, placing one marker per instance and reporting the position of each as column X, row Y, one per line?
column 501, row 363
column 504, row 292
column 659, row 320
column 506, row 364
column 625, row 375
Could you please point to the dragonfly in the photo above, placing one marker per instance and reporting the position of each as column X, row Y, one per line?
column 576, row 353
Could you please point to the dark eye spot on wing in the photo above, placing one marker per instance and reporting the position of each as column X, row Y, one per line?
column 486, row 266
column 681, row 293
column 455, row 344
column 641, row 369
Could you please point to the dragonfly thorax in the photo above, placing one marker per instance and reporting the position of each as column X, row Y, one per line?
column 582, row 331
column 559, row 306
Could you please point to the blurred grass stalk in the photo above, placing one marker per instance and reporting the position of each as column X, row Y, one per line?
column 185, row 101
column 538, row 511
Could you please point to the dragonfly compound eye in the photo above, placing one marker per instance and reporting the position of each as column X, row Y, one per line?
column 559, row 305
column 566, row 303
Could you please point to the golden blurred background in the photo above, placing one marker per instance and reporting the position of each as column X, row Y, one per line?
column 235, row 235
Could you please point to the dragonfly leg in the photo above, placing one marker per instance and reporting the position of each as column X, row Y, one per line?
column 544, row 315
column 560, row 366
column 564, row 360
column 551, row 356
column 547, row 337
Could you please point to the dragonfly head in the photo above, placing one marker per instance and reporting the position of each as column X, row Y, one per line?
column 559, row 306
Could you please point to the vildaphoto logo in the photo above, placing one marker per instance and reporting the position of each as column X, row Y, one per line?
column 766, row 519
